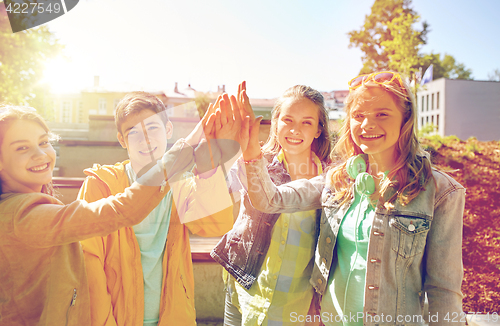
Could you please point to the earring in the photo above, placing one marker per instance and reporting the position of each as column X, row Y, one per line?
column 356, row 169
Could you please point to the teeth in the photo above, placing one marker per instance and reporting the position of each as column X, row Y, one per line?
column 296, row 141
column 147, row 151
column 371, row 136
column 39, row 168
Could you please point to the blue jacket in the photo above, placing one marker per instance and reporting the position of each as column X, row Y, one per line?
column 413, row 251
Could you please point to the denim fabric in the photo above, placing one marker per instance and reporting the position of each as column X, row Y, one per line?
column 413, row 250
column 241, row 251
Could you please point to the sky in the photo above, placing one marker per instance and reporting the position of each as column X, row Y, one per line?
column 273, row 45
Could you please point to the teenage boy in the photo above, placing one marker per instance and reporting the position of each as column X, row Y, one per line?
column 143, row 275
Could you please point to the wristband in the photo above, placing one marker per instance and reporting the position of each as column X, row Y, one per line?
column 255, row 159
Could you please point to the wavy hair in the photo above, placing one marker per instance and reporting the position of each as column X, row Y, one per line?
column 322, row 145
column 9, row 114
column 412, row 170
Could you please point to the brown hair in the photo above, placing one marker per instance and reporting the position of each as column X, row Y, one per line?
column 413, row 167
column 135, row 102
column 9, row 114
column 322, row 145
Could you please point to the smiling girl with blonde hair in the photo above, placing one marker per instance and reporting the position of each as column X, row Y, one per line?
column 391, row 225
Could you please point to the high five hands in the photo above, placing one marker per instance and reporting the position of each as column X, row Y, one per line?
column 232, row 122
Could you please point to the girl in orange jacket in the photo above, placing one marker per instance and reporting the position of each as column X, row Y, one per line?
column 42, row 272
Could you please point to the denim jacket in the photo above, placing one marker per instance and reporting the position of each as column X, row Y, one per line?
column 413, row 250
column 241, row 251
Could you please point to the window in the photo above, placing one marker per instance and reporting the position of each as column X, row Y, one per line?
column 432, row 102
column 80, row 111
column 102, row 106
column 427, row 119
column 427, row 102
column 422, row 104
column 422, row 124
column 432, row 119
column 66, row 111
column 115, row 104
column 437, row 121
column 437, row 100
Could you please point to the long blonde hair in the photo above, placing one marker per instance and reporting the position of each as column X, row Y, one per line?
column 9, row 114
column 413, row 167
column 322, row 145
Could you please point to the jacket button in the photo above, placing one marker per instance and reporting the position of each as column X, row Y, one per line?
column 374, row 260
column 282, row 242
column 372, row 287
column 320, row 281
column 328, row 240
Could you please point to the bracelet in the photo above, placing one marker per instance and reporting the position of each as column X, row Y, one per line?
column 255, row 159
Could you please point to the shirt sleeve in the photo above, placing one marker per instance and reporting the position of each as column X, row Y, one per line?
column 443, row 264
column 298, row 195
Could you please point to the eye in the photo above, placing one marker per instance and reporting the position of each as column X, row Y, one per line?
column 308, row 123
column 152, row 128
column 22, row 148
column 44, row 143
column 132, row 133
column 382, row 114
column 357, row 116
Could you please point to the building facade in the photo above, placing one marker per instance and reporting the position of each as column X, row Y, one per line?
column 464, row 108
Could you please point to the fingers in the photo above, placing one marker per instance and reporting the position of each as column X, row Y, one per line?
column 209, row 112
column 225, row 109
column 235, row 108
column 253, row 149
column 209, row 127
column 246, row 106
column 218, row 123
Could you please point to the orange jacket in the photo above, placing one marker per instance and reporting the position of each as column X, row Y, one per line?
column 42, row 273
column 114, row 262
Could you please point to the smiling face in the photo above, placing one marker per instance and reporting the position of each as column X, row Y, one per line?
column 27, row 159
column 376, row 123
column 297, row 126
column 144, row 135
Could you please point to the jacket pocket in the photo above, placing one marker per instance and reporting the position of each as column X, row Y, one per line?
column 408, row 234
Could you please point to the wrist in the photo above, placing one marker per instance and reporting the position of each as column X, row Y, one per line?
column 252, row 157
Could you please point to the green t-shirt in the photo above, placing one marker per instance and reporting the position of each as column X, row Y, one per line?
column 343, row 300
column 151, row 235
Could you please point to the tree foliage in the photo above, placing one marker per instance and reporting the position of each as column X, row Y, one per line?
column 446, row 67
column 22, row 58
column 388, row 38
column 202, row 102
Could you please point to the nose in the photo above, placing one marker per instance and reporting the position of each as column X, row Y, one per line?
column 295, row 129
column 367, row 123
column 38, row 153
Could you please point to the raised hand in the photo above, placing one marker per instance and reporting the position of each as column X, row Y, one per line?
column 249, row 138
column 228, row 125
column 207, row 153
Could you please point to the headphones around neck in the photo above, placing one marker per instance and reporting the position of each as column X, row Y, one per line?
column 356, row 168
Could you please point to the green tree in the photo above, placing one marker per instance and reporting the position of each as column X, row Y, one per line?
column 388, row 38
column 446, row 67
column 202, row 101
column 22, row 61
